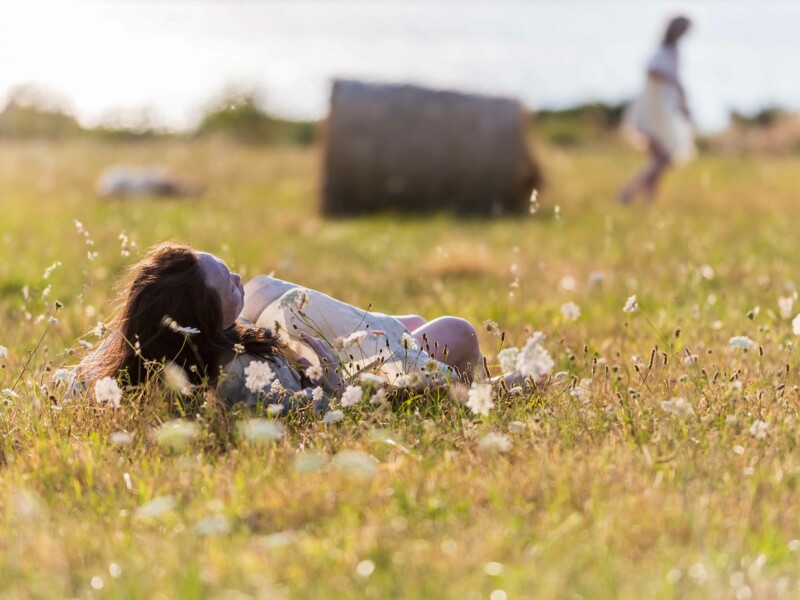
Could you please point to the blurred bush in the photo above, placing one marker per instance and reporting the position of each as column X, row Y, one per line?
column 771, row 130
column 31, row 112
column 578, row 125
column 241, row 118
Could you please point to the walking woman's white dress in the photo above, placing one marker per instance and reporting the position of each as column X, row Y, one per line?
column 363, row 341
column 656, row 114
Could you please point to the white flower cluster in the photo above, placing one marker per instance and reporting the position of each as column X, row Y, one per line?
column 107, row 391
column 258, row 375
column 479, row 398
column 295, row 299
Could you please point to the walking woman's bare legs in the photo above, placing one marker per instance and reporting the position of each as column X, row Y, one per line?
column 648, row 179
column 453, row 341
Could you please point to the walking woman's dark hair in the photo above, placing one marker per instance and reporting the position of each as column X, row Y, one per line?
column 168, row 313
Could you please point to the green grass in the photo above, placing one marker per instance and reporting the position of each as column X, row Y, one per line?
column 607, row 497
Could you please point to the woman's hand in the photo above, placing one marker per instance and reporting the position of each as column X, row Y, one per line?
column 327, row 359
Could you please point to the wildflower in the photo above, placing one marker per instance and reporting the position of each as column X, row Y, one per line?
column 508, row 359
column 495, row 442
column 350, row 343
column 534, row 361
column 785, row 306
column 295, row 299
column 690, row 359
column 261, row 430
column 239, row 348
column 317, row 394
column 370, row 379
column 276, row 387
column 63, row 376
column 356, row 463
column 351, row 395
column 86, row 344
column 678, row 406
column 409, row 342
column 631, row 305
column 571, row 311
column 176, row 379
column 333, row 416
column 121, row 438
column 50, row 269
column 582, row 390
column 491, row 327
column 479, row 398
column 315, row 373
column 378, row 397
column 9, row 393
column 759, row 429
column 213, row 525
column 796, row 325
column 52, row 321
column 533, row 207
column 517, row 427
column 742, row 341
column 100, row 329
column 258, row 375
column 107, row 391
column 274, row 410
column 567, row 283
column 156, row 507
column 409, row 380
column 176, row 434
column 3, row 352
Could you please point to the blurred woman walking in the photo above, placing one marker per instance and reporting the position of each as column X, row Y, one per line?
column 659, row 120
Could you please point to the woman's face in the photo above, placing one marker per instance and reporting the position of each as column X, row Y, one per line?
column 228, row 286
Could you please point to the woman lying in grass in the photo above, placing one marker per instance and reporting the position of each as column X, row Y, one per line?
column 270, row 341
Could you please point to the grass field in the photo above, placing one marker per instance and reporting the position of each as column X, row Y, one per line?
column 605, row 492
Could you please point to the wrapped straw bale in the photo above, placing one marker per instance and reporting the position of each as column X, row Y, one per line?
column 413, row 149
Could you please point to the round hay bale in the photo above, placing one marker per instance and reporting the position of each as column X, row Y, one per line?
column 413, row 149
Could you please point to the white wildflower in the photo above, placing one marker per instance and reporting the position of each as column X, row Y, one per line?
column 107, row 391
column 317, row 394
column 295, row 299
column 371, row 380
column 260, row 430
column 275, row 410
column 690, row 359
column 495, row 442
column 315, row 373
column 9, row 393
column 100, row 329
column 409, row 381
column 276, row 387
column 759, row 429
column 517, row 427
column 567, row 283
column 582, row 391
column 479, row 398
column 86, row 344
column 3, row 352
column 50, row 269
column 333, row 416
column 156, row 507
column 213, row 525
column 508, row 359
column 631, row 304
column 491, row 327
column 742, row 341
column 571, row 311
column 351, row 343
column 176, row 434
column 785, row 306
column 678, row 406
column 121, row 438
column 64, row 376
column 796, row 325
column 239, row 348
column 378, row 397
column 176, row 379
column 52, row 321
column 534, row 361
column 352, row 395
column 258, row 375
column 409, row 341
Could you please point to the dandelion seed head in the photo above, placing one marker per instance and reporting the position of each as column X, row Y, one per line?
column 479, row 398
column 534, row 361
column 571, row 311
column 107, row 391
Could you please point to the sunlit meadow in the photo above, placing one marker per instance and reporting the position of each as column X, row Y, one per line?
column 658, row 460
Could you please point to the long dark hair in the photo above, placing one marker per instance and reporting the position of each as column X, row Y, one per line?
column 165, row 300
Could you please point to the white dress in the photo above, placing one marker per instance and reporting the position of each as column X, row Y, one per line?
column 656, row 113
column 364, row 342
